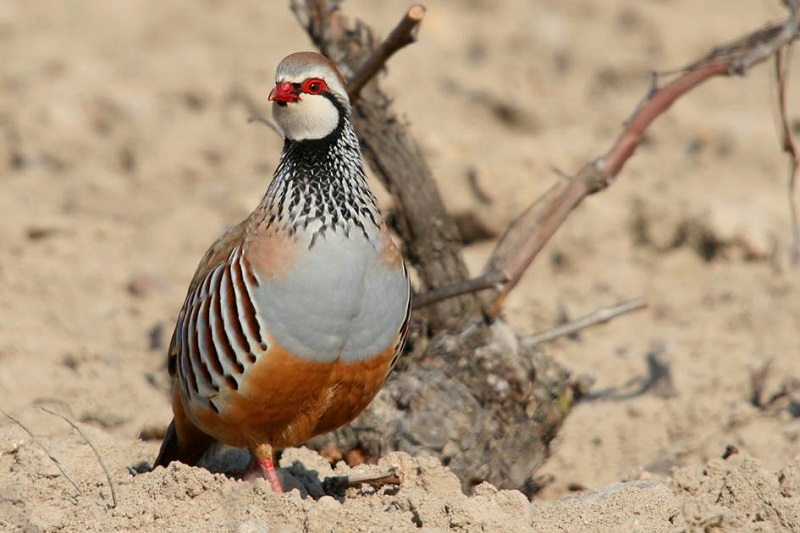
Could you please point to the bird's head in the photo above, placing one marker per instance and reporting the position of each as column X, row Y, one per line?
column 309, row 98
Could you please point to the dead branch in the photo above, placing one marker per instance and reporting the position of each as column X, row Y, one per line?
column 42, row 446
column 527, row 235
column 402, row 35
column 782, row 62
column 96, row 453
column 599, row 316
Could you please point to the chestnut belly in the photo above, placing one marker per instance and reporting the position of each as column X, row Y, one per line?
column 285, row 400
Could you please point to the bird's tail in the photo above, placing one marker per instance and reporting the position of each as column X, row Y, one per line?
column 187, row 449
column 183, row 441
column 169, row 448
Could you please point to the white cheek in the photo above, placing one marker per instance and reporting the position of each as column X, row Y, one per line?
column 312, row 117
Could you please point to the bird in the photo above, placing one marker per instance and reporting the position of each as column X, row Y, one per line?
column 295, row 316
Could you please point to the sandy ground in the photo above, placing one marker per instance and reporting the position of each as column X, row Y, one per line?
column 125, row 150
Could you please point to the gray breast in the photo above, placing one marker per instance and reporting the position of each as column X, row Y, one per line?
column 339, row 301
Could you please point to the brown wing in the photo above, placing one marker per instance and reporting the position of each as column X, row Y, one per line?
column 216, row 254
column 183, row 441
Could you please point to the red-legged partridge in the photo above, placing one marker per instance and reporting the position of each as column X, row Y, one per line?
column 295, row 316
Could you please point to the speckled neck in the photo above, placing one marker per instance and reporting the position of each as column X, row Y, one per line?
column 320, row 186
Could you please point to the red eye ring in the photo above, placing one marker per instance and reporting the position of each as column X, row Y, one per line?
column 313, row 86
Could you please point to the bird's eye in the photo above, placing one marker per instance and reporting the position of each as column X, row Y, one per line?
column 313, row 86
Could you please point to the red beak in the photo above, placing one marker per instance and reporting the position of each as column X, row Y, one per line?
column 284, row 92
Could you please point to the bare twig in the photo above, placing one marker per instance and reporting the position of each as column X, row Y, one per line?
column 527, row 235
column 96, row 453
column 402, row 35
column 600, row 316
column 42, row 446
column 485, row 281
column 782, row 62
column 387, row 477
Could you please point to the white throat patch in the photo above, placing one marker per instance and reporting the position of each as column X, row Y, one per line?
column 311, row 117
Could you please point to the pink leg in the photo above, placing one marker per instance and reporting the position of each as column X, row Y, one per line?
column 264, row 465
column 267, row 467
